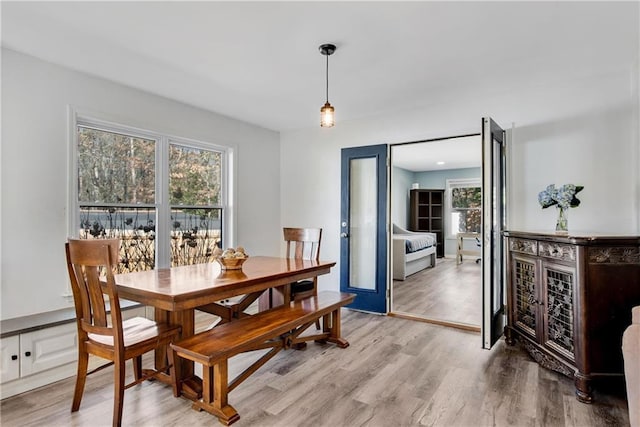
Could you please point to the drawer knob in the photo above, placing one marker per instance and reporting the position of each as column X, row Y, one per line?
column 14, row 357
column 27, row 353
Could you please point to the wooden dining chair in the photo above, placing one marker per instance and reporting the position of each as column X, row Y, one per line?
column 101, row 330
column 303, row 243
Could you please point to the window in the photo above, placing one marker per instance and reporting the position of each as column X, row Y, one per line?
column 465, row 205
column 194, row 192
column 162, row 197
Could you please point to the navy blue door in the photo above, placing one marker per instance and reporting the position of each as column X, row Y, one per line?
column 363, row 227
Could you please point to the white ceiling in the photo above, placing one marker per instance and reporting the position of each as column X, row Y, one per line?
column 453, row 153
column 259, row 61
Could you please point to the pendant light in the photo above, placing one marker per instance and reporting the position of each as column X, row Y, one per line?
column 327, row 113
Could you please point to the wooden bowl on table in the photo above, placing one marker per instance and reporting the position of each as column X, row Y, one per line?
column 230, row 259
column 231, row 263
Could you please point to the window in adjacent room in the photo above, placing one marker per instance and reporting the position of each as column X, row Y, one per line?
column 162, row 197
column 465, row 205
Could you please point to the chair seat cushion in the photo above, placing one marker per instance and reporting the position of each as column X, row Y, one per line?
column 135, row 330
column 301, row 286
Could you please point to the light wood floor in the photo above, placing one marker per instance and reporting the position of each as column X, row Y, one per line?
column 395, row 373
column 447, row 292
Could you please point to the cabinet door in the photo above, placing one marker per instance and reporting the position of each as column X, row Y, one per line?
column 48, row 348
column 559, row 290
column 9, row 358
column 525, row 294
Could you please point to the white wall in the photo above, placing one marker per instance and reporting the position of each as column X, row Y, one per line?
column 582, row 131
column 34, row 176
column 401, row 180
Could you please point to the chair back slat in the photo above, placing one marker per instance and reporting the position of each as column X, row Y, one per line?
column 97, row 302
column 90, row 264
column 303, row 243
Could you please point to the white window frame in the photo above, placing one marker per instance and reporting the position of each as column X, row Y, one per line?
column 450, row 185
column 161, row 205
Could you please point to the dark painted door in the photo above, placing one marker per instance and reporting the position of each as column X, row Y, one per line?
column 363, row 227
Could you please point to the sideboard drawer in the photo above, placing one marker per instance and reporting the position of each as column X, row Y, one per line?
column 523, row 246
column 558, row 251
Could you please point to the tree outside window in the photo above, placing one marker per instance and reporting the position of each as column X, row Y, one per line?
column 466, row 209
column 195, row 179
column 117, row 181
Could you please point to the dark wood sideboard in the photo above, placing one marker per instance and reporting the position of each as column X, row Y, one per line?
column 569, row 300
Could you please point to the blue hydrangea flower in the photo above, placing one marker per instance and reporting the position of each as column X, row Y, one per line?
column 545, row 197
column 564, row 197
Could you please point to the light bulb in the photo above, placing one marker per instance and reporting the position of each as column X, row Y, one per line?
column 327, row 116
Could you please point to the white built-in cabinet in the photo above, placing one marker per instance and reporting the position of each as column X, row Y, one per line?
column 48, row 348
column 9, row 358
column 33, row 359
column 37, row 351
column 39, row 357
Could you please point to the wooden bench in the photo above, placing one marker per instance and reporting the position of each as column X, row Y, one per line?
column 275, row 329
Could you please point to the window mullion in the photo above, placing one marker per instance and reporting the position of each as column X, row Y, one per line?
column 163, row 255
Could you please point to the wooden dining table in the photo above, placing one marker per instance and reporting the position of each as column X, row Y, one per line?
column 177, row 292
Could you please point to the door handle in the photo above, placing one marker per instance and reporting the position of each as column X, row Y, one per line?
column 344, row 235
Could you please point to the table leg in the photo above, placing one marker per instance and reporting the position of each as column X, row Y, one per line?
column 280, row 295
column 191, row 385
column 161, row 316
column 273, row 297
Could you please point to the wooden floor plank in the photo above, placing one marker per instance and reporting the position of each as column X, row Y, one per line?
column 395, row 373
column 448, row 292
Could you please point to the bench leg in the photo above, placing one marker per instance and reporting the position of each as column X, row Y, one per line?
column 176, row 384
column 215, row 393
column 334, row 330
column 326, row 327
column 331, row 332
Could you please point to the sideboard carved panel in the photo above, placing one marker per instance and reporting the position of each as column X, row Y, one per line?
column 524, row 246
column 614, row 255
column 557, row 251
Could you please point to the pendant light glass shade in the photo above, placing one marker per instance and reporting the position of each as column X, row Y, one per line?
column 327, row 113
column 327, row 118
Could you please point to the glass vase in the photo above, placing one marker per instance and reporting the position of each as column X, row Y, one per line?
column 562, row 225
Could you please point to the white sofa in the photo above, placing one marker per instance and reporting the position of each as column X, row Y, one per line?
column 631, row 354
column 405, row 264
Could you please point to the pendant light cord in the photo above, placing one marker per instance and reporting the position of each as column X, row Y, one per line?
column 327, row 78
